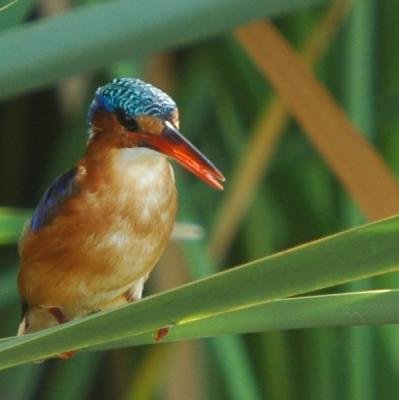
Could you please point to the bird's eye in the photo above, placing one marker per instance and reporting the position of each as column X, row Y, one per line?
column 128, row 122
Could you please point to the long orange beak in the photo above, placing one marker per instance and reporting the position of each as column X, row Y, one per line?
column 172, row 143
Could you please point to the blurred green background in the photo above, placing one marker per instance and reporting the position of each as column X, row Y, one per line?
column 222, row 97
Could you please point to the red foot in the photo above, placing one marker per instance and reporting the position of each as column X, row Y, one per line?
column 161, row 333
column 57, row 314
column 66, row 355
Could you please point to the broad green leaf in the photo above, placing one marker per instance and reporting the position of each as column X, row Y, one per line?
column 11, row 224
column 243, row 299
column 95, row 35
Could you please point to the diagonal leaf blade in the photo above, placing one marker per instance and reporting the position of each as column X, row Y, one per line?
column 359, row 167
column 355, row 254
column 355, row 308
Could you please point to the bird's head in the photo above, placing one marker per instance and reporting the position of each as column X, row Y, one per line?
column 130, row 113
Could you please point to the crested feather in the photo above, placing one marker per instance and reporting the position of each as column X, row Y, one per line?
column 62, row 189
column 134, row 98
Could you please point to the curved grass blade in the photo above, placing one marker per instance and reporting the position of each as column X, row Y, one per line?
column 359, row 253
column 377, row 307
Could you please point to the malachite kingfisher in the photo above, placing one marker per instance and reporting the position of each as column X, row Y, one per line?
column 100, row 228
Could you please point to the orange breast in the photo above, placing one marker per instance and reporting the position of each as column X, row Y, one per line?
column 104, row 240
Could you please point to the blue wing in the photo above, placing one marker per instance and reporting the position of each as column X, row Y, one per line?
column 62, row 189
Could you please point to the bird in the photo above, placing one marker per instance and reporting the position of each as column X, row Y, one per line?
column 100, row 228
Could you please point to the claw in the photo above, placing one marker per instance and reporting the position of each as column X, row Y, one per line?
column 57, row 314
column 66, row 355
column 161, row 333
column 130, row 298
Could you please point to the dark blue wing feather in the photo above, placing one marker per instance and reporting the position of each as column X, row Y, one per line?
column 62, row 189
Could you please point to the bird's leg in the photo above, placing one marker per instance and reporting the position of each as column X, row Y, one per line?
column 136, row 290
column 57, row 313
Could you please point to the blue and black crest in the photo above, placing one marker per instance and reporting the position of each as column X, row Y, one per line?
column 134, row 98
